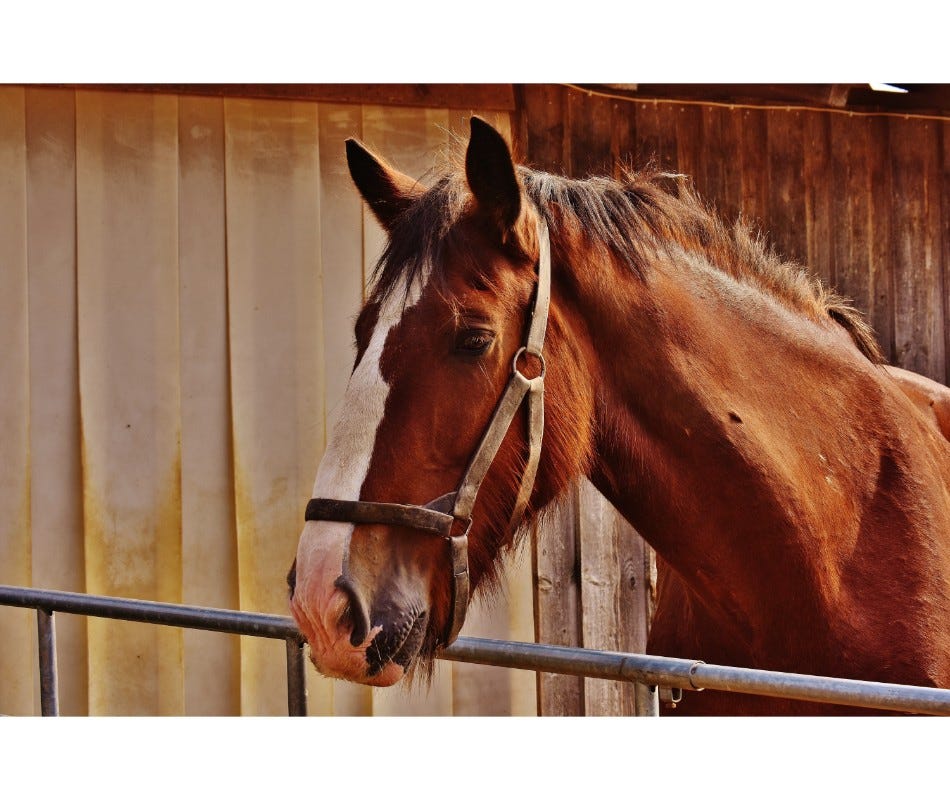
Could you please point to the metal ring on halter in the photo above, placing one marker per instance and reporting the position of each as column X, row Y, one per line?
column 523, row 350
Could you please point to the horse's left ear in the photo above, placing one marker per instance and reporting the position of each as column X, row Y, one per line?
column 491, row 176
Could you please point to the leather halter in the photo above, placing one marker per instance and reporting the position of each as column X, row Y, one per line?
column 442, row 516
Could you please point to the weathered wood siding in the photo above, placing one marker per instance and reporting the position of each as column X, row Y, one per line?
column 863, row 200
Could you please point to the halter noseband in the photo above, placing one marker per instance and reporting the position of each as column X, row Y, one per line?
column 440, row 516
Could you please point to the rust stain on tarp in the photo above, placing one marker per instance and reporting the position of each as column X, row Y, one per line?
column 135, row 668
column 267, row 538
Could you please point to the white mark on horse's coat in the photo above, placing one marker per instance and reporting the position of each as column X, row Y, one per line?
column 346, row 460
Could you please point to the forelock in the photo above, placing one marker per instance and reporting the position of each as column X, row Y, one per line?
column 419, row 236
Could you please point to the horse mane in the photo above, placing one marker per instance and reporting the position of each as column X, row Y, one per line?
column 636, row 219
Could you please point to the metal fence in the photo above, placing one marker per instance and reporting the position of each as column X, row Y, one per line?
column 673, row 675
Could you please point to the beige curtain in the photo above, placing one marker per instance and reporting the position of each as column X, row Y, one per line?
column 178, row 280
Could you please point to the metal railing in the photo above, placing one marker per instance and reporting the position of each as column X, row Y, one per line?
column 674, row 674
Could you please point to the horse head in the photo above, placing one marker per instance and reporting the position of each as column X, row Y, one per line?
column 452, row 324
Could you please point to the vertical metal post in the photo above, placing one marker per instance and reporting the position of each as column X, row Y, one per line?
column 49, row 691
column 296, row 678
column 648, row 700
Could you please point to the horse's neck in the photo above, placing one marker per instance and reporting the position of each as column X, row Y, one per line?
column 729, row 438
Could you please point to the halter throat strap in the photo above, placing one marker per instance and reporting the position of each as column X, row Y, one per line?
column 450, row 516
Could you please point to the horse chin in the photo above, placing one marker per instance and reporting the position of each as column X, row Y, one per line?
column 389, row 675
column 377, row 661
column 343, row 661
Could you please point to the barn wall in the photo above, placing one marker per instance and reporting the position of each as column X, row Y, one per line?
column 178, row 279
column 862, row 200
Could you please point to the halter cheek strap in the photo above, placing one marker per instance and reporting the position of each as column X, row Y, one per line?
column 453, row 511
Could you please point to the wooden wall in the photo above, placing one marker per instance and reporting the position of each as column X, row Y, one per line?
column 862, row 200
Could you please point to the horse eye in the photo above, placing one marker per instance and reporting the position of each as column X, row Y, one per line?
column 474, row 342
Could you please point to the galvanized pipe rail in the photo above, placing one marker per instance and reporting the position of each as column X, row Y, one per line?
column 676, row 673
column 683, row 673
column 245, row 623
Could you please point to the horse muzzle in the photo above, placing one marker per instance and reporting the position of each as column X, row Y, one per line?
column 360, row 634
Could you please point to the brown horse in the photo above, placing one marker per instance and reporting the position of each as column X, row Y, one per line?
column 735, row 412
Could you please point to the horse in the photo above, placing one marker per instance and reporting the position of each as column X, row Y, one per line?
column 525, row 330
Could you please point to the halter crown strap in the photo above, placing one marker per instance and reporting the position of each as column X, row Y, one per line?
column 538, row 326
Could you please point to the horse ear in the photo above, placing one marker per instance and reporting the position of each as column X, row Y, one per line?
column 491, row 176
column 386, row 190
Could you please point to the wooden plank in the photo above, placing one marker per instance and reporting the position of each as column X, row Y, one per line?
column 880, row 252
column 690, row 152
column 18, row 625
column 850, row 173
column 915, row 226
column 606, row 594
column 786, row 207
column 753, row 179
column 936, row 245
column 713, row 181
column 819, row 196
column 129, row 384
column 56, row 474
column 209, row 535
column 638, row 583
column 656, row 135
column 617, row 594
column 838, row 177
column 638, row 587
column 722, row 182
column 275, row 302
column 543, row 112
column 588, row 134
column 623, row 136
column 557, row 603
column 731, row 141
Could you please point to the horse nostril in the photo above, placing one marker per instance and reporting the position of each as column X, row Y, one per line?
column 355, row 613
column 292, row 578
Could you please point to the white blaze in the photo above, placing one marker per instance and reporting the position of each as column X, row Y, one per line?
column 346, row 460
column 324, row 546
